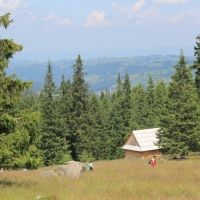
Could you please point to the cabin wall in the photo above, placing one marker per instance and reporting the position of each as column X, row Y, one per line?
column 130, row 154
column 145, row 154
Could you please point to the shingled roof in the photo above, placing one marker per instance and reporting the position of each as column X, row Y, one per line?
column 142, row 140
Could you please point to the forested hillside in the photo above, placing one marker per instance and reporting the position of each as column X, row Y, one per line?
column 101, row 73
column 67, row 121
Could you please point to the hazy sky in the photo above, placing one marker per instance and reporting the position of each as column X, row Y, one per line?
column 62, row 29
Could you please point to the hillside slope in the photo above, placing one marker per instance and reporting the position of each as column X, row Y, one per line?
column 101, row 72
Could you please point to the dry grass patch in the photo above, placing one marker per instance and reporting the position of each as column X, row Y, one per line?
column 111, row 180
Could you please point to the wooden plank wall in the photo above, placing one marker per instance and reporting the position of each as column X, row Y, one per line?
column 145, row 154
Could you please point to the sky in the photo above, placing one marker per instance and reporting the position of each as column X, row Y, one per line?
column 62, row 29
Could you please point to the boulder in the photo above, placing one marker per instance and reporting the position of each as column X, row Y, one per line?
column 48, row 174
column 70, row 169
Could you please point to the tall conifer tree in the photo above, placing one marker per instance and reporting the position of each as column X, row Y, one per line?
column 160, row 101
column 17, row 140
column 180, row 130
column 52, row 142
column 151, row 103
column 94, row 133
column 126, row 106
column 117, row 127
column 80, row 97
column 105, row 126
column 140, row 107
column 196, row 64
column 65, row 109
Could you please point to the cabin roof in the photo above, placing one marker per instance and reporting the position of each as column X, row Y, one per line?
column 145, row 140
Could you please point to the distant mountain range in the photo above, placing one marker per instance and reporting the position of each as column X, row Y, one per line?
column 101, row 72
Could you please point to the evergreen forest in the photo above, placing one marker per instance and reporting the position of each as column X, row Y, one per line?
column 68, row 122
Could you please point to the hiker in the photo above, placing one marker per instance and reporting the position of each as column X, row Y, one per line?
column 149, row 161
column 153, row 161
column 1, row 170
column 90, row 166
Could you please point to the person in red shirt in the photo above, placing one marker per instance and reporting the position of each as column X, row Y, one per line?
column 153, row 161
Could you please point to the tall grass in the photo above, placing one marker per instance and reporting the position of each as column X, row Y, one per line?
column 122, row 179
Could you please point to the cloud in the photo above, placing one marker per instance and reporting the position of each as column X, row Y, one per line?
column 138, row 5
column 191, row 17
column 96, row 19
column 65, row 22
column 123, row 9
column 140, row 15
column 151, row 14
column 51, row 16
column 26, row 4
column 27, row 15
column 136, row 14
column 170, row 1
column 16, row 8
column 177, row 18
column 130, row 11
column 194, row 13
column 194, row 16
column 10, row 5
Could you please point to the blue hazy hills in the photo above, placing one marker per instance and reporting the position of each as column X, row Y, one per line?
column 101, row 73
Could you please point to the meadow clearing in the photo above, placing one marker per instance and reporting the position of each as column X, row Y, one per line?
column 125, row 179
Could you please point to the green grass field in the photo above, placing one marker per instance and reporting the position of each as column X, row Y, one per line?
column 122, row 179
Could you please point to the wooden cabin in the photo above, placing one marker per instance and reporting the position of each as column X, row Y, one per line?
column 141, row 143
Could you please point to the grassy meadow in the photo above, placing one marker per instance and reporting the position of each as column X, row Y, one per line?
column 123, row 179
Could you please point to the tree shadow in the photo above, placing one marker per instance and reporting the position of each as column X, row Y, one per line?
column 9, row 183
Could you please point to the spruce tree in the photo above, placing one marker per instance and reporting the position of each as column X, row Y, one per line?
column 27, row 102
column 105, row 126
column 140, row 107
column 116, row 133
column 117, row 127
column 96, row 140
column 119, row 86
column 160, row 101
column 65, row 108
column 64, row 111
column 180, row 132
column 17, row 135
column 196, row 64
column 52, row 143
column 126, row 106
column 151, row 103
column 80, row 98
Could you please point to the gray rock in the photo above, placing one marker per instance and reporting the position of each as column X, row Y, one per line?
column 70, row 169
column 48, row 174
